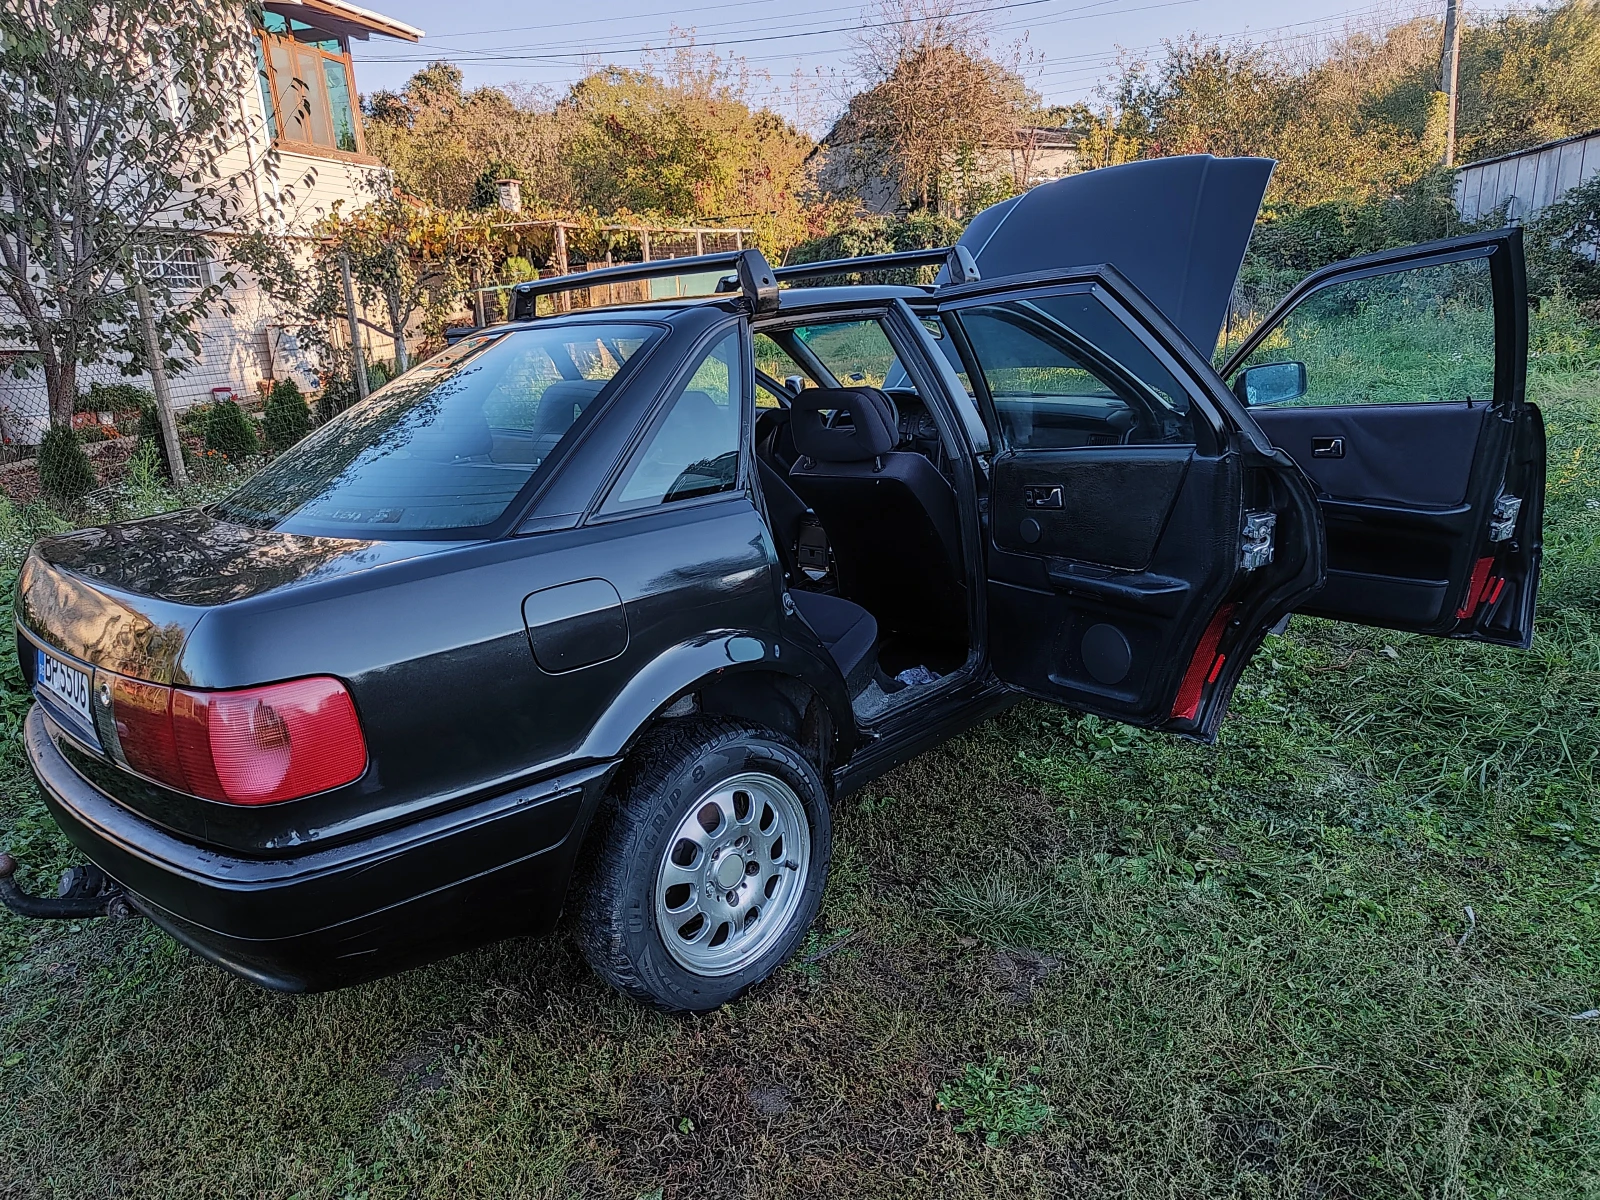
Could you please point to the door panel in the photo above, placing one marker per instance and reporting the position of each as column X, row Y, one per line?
column 1106, row 507
column 1413, row 395
column 1117, row 578
column 1410, row 455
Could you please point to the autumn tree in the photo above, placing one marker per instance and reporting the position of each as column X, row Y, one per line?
column 438, row 139
column 1529, row 77
column 938, row 110
column 118, row 127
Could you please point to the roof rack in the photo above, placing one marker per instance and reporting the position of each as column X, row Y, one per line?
column 746, row 271
column 958, row 260
column 750, row 267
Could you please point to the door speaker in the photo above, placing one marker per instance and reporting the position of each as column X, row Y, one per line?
column 1106, row 653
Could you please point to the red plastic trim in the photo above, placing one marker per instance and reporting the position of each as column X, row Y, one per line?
column 1204, row 667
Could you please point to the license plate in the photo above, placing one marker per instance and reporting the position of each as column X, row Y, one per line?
column 67, row 684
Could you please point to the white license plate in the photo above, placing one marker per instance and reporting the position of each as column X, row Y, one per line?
column 67, row 684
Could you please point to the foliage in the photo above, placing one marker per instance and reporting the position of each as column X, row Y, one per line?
column 1561, row 246
column 1529, row 76
column 150, row 435
column 65, row 473
column 441, row 141
column 287, row 417
column 106, row 157
column 114, row 398
column 936, row 105
column 678, row 137
column 860, row 235
column 230, row 432
column 338, row 394
column 991, row 1101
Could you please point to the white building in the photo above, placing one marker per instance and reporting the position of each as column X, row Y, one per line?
column 304, row 105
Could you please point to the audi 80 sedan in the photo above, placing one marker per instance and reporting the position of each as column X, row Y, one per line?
column 606, row 606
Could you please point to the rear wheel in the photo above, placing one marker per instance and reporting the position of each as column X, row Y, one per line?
column 712, row 867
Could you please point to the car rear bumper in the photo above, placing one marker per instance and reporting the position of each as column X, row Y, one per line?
column 349, row 913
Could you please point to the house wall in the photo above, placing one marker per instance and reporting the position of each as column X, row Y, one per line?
column 1529, row 181
column 290, row 193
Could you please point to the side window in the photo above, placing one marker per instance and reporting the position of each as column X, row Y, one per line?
column 1424, row 334
column 855, row 352
column 1064, row 371
column 775, row 363
column 692, row 448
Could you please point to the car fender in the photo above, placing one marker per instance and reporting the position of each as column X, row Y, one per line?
column 689, row 666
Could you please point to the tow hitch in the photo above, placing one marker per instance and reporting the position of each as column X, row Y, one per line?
column 85, row 891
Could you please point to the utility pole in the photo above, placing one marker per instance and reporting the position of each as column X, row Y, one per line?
column 156, row 362
column 1449, row 67
column 358, row 361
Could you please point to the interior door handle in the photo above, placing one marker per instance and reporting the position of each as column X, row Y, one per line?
column 1327, row 447
column 1045, row 496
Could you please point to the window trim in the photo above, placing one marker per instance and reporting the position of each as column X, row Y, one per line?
column 276, row 126
column 599, row 511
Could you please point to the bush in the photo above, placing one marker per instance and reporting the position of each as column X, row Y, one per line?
column 1560, row 244
column 288, row 418
column 338, row 394
column 113, row 398
column 880, row 235
column 65, row 473
column 150, row 435
column 230, row 433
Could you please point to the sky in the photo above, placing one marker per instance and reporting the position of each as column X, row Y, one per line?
column 1073, row 43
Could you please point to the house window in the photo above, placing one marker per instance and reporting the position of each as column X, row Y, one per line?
column 179, row 267
column 306, row 90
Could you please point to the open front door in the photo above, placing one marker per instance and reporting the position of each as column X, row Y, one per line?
column 1396, row 382
column 1138, row 537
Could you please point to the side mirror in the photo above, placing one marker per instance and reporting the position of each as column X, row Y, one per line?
column 1271, row 383
column 794, row 384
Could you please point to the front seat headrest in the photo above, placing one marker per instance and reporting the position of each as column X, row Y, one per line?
column 873, row 429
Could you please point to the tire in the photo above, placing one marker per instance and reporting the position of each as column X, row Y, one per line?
column 665, row 857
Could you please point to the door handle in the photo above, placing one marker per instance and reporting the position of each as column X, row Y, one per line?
column 1327, row 447
column 1044, row 496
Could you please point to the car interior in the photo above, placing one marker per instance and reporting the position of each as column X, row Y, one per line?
column 862, row 504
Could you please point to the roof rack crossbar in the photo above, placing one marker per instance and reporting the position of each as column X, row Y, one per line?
column 958, row 259
column 527, row 294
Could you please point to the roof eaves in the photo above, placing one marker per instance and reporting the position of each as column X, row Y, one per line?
column 357, row 17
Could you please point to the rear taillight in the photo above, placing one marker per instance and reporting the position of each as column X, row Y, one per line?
column 253, row 746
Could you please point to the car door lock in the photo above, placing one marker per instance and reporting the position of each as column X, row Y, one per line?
column 1259, row 528
column 1503, row 522
column 1042, row 496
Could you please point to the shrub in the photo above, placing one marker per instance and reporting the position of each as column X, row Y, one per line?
column 150, row 435
column 338, row 394
column 288, row 419
column 1561, row 242
column 65, row 473
column 230, row 432
column 113, row 398
column 378, row 374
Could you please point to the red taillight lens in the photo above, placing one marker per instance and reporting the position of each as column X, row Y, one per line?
column 141, row 712
column 253, row 746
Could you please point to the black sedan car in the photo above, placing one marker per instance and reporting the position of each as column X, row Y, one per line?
column 613, row 601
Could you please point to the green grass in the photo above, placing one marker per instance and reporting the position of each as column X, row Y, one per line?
column 1057, row 957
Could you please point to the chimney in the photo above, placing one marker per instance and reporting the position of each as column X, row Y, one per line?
column 510, row 194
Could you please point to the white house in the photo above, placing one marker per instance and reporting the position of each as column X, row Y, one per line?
column 306, row 107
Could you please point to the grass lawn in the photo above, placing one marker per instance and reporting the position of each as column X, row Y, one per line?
column 1352, row 950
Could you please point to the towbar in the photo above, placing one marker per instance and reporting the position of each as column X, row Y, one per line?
column 85, row 891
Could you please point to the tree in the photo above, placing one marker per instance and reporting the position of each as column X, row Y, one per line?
column 406, row 255
column 679, row 139
column 937, row 105
column 439, row 139
column 117, row 122
column 1530, row 77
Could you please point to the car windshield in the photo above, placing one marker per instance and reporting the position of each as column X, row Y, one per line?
column 449, row 447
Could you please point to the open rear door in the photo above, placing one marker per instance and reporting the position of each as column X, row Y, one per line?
column 1396, row 382
column 1140, row 534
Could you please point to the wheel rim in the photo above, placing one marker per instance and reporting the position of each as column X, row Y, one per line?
column 733, row 874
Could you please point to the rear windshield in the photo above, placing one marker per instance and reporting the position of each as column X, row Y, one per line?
column 448, row 448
